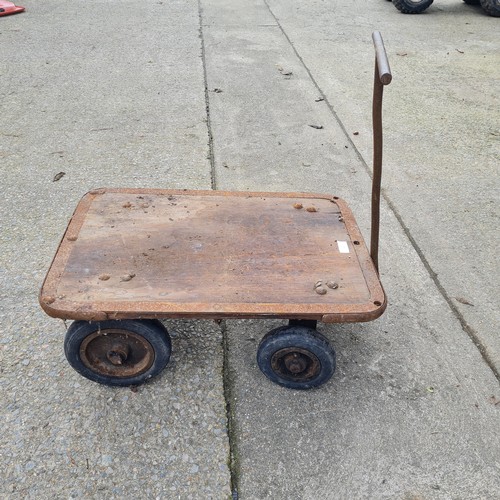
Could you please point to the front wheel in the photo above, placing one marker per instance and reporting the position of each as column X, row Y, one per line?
column 296, row 357
column 412, row 6
column 118, row 353
column 491, row 7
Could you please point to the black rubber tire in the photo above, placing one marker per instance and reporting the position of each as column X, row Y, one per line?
column 412, row 7
column 146, row 338
column 310, row 346
column 491, row 7
column 472, row 2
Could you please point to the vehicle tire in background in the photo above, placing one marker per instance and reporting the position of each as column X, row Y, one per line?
column 491, row 7
column 412, row 6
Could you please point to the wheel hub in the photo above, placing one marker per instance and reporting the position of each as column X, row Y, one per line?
column 117, row 353
column 296, row 364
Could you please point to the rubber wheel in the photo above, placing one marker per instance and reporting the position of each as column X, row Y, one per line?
column 412, row 6
column 118, row 353
column 296, row 357
column 491, row 7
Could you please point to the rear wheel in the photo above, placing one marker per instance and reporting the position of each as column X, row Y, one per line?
column 296, row 357
column 412, row 6
column 491, row 7
column 127, row 352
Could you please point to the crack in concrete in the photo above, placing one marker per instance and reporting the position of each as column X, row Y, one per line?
column 211, row 156
column 442, row 290
column 432, row 274
column 232, row 460
column 228, row 384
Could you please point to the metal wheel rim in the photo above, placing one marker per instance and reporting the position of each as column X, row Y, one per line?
column 102, row 350
column 295, row 364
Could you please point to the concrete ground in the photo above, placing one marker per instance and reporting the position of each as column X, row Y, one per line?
column 116, row 94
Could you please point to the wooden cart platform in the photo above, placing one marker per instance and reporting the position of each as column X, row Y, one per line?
column 142, row 253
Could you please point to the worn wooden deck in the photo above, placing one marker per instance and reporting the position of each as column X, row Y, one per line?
column 138, row 253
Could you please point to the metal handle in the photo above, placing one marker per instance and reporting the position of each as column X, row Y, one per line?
column 384, row 70
column 383, row 77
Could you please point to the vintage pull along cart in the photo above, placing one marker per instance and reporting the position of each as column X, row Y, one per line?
column 130, row 257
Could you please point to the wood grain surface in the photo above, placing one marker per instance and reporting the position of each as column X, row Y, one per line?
column 151, row 253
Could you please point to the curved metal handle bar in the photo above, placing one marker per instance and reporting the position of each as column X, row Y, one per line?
column 383, row 77
column 384, row 69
